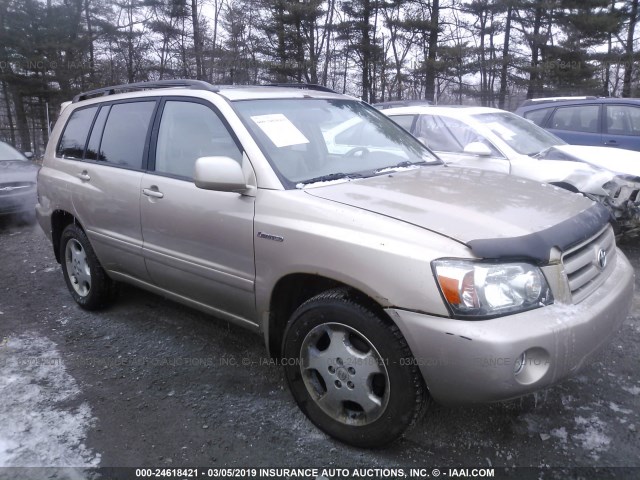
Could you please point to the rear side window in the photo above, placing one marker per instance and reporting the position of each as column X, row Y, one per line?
column 405, row 121
column 623, row 120
column 125, row 134
column 538, row 116
column 93, row 147
column 75, row 133
column 579, row 118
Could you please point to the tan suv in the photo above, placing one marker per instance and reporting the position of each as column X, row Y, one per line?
column 379, row 277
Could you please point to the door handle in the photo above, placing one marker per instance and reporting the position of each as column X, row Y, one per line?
column 611, row 142
column 152, row 192
column 84, row 176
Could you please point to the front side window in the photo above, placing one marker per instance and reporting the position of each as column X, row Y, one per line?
column 623, row 120
column 521, row 135
column 580, row 118
column 125, row 134
column 187, row 132
column 312, row 140
column 75, row 133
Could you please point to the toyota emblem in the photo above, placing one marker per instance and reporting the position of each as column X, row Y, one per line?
column 602, row 259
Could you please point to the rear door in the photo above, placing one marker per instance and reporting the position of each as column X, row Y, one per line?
column 104, row 150
column 197, row 243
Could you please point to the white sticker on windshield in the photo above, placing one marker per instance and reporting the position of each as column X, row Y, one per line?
column 501, row 130
column 280, row 130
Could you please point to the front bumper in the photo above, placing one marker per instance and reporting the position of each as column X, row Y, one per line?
column 475, row 361
column 18, row 201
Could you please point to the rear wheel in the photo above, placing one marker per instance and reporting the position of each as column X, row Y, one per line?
column 87, row 281
column 351, row 371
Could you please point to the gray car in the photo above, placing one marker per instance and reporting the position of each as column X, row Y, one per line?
column 17, row 184
column 379, row 277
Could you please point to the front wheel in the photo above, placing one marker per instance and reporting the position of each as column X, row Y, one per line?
column 87, row 281
column 351, row 371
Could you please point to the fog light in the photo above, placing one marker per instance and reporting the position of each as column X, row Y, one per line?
column 520, row 362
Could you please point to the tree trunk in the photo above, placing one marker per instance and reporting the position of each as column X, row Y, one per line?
column 504, row 70
column 628, row 65
column 197, row 42
column 430, row 75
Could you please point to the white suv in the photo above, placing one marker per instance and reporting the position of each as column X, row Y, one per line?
column 380, row 276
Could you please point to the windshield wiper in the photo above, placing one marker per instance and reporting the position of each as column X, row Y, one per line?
column 404, row 164
column 330, row 177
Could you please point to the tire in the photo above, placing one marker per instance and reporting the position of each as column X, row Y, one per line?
column 87, row 281
column 341, row 357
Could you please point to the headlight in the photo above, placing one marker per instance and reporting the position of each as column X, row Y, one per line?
column 483, row 290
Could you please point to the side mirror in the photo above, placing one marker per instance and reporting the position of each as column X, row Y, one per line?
column 223, row 174
column 29, row 155
column 478, row 148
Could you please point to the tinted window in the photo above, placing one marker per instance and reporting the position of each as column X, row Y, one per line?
column 187, row 132
column 125, row 133
column 581, row 118
column 96, row 134
column 623, row 120
column 75, row 133
column 537, row 116
column 405, row 121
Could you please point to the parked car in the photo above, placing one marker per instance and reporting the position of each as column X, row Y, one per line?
column 493, row 139
column 612, row 122
column 379, row 278
column 17, row 184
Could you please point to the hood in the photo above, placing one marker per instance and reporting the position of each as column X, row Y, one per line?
column 18, row 171
column 471, row 205
column 618, row 160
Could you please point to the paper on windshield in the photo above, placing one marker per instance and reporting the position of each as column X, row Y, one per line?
column 501, row 130
column 280, row 130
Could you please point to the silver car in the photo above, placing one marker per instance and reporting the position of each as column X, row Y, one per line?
column 379, row 277
column 17, row 184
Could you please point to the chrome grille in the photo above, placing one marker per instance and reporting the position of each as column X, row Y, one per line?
column 583, row 264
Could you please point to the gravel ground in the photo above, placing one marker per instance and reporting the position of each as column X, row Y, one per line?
column 149, row 382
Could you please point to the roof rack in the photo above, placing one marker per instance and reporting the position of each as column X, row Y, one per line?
column 303, row 86
column 193, row 84
column 533, row 101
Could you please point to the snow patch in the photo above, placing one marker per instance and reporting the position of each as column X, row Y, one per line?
column 618, row 409
column 36, row 430
column 632, row 390
column 560, row 434
column 593, row 437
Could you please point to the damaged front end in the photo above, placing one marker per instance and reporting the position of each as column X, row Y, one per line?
column 623, row 201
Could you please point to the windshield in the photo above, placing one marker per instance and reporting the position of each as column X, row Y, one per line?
column 520, row 134
column 7, row 152
column 314, row 140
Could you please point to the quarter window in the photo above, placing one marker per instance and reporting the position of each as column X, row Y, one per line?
column 75, row 133
column 581, row 118
column 188, row 131
column 537, row 116
column 405, row 121
column 125, row 134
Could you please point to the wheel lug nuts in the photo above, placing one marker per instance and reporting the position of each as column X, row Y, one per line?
column 338, row 384
column 352, row 370
column 331, row 369
column 350, row 385
column 339, row 361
